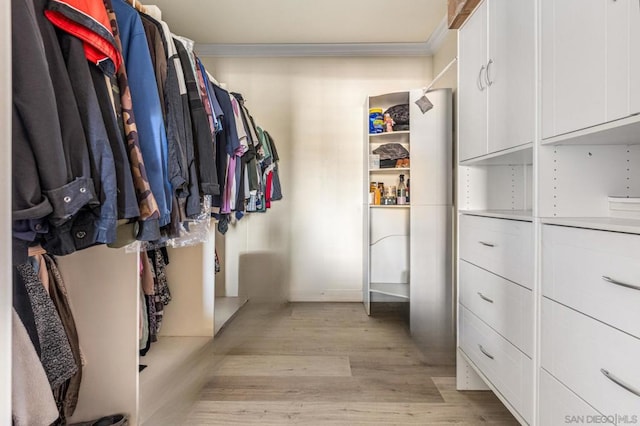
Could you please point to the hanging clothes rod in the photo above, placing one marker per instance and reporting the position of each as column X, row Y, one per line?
column 440, row 74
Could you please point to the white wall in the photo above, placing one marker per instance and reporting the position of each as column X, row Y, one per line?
column 311, row 242
column 448, row 50
column 5, row 213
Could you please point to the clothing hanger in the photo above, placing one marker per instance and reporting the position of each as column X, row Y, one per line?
column 137, row 6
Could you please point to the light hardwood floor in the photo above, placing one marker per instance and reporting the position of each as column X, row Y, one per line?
column 331, row 364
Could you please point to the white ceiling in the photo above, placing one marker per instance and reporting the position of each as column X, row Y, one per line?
column 303, row 21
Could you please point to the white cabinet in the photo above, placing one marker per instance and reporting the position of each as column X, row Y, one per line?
column 407, row 248
column 508, row 369
column 504, row 247
column 496, row 84
column 504, row 306
column 472, row 85
column 595, row 272
column 589, row 63
column 598, row 362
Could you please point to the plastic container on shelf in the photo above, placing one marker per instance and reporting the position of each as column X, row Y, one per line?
column 376, row 122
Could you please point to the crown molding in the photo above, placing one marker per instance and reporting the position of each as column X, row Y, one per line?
column 437, row 37
column 239, row 50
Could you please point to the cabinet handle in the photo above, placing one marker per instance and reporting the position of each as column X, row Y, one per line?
column 480, row 86
column 483, row 297
column 486, row 244
column 621, row 284
column 487, row 354
column 488, row 76
column 619, row 382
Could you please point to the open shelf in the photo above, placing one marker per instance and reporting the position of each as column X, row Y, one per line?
column 385, row 135
column 400, row 290
column 625, row 131
column 390, row 170
column 173, row 378
column 523, row 215
column 519, row 155
column 393, row 206
column 614, row 224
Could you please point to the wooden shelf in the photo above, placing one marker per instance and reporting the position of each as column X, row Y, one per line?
column 613, row 224
column 400, row 290
column 625, row 131
column 518, row 155
column 523, row 215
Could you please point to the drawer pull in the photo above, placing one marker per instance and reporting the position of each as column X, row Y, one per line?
column 621, row 284
column 487, row 354
column 619, row 382
column 483, row 297
column 486, row 244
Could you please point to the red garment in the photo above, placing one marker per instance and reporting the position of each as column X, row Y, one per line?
column 268, row 191
column 88, row 20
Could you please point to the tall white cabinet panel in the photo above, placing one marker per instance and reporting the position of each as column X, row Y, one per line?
column 510, row 73
column 472, row 85
column 431, row 306
column 105, row 303
column 634, row 57
column 589, row 63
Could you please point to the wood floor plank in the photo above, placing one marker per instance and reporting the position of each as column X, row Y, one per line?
column 283, row 365
column 331, row 364
column 323, row 413
column 336, row 389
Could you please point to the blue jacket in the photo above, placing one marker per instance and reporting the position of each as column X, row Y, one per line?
column 146, row 105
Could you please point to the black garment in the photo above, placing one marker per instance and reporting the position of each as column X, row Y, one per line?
column 205, row 153
column 99, row 220
column 126, row 193
column 227, row 139
column 47, row 185
column 183, row 173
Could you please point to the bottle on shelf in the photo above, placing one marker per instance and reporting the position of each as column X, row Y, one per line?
column 374, row 194
column 401, row 193
column 408, row 187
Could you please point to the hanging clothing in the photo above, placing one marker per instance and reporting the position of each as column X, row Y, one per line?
column 149, row 224
column 89, row 22
column 202, row 138
column 67, row 394
column 32, row 403
column 56, row 355
column 44, row 189
column 146, row 104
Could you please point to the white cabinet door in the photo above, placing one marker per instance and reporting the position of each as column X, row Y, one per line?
column 617, row 58
column 510, row 73
column 634, row 57
column 472, row 90
column 573, row 42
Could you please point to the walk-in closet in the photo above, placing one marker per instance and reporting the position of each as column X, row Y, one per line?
column 352, row 212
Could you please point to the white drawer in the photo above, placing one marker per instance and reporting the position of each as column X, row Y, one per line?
column 505, row 306
column 558, row 405
column 502, row 246
column 577, row 350
column 508, row 369
column 575, row 263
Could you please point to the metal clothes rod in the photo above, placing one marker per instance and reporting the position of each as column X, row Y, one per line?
column 440, row 74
